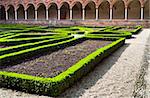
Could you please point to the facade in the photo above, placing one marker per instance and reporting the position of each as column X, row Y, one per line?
column 100, row 10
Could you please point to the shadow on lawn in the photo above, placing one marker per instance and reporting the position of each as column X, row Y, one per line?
column 79, row 88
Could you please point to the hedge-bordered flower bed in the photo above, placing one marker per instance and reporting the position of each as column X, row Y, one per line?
column 13, row 57
column 31, row 45
column 55, row 86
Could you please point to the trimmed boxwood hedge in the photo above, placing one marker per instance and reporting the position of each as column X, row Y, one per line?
column 5, row 35
column 55, row 86
column 17, row 41
column 31, row 45
column 137, row 30
column 26, row 35
column 111, row 34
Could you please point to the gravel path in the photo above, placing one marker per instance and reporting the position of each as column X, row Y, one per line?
column 115, row 77
column 147, row 76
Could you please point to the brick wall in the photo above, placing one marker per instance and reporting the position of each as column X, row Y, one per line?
column 145, row 23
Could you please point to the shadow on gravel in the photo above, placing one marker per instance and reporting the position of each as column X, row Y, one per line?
column 133, row 37
column 78, row 89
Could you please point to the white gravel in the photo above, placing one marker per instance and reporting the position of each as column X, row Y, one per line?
column 115, row 77
column 147, row 76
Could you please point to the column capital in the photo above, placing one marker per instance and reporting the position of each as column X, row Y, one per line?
column 111, row 7
column 5, row 10
column 96, row 7
column 15, row 9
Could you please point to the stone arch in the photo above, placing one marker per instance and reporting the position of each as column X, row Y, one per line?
column 2, row 13
column 30, row 12
column 89, row 1
column 41, row 12
column 147, row 10
column 53, row 13
column 64, row 11
column 104, row 10
column 20, row 12
column 62, row 2
column 119, row 10
column 11, row 12
column 77, row 11
column 75, row 2
column 90, row 10
column 134, row 9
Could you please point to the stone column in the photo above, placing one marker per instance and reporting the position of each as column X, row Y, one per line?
column 70, row 14
column 142, row 13
column 126, row 13
column 58, row 14
column 6, row 15
column 46, row 14
column 36, row 17
column 25, row 14
column 16, row 18
column 111, row 11
column 83, row 14
column 96, row 13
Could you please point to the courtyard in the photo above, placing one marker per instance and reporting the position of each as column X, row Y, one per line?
column 118, row 75
column 33, row 57
column 74, row 49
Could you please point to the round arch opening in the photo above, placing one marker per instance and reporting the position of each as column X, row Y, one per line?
column 134, row 10
column 2, row 13
column 119, row 10
column 52, row 12
column 77, row 11
column 11, row 13
column 90, row 10
column 31, row 12
column 20, row 12
column 41, row 12
column 64, row 11
column 104, row 10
